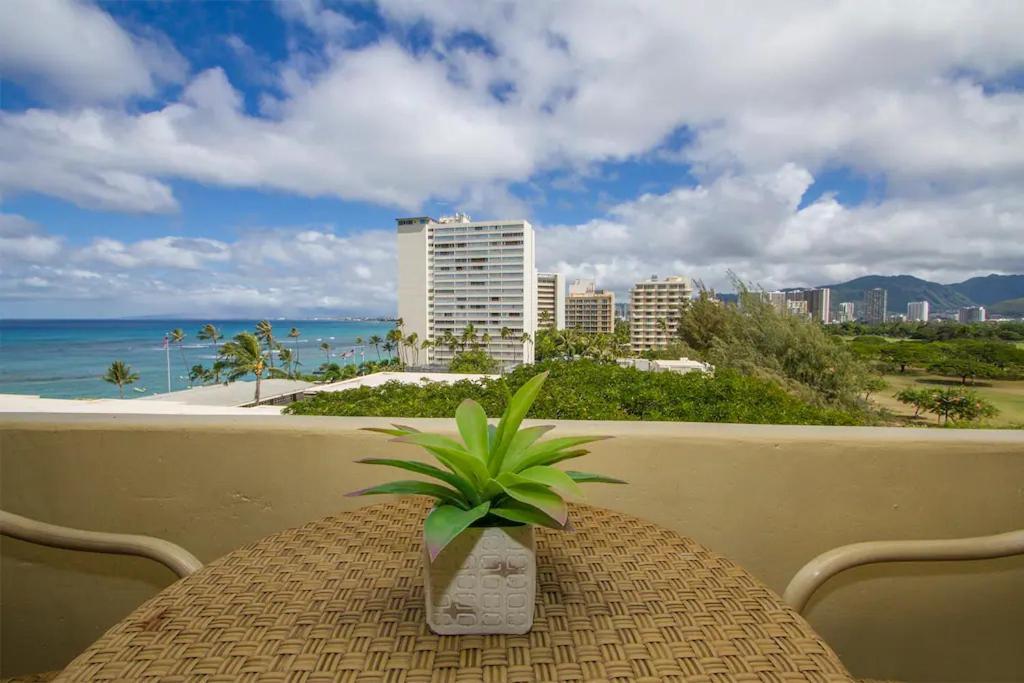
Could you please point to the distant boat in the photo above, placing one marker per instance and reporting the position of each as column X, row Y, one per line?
column 141, row 390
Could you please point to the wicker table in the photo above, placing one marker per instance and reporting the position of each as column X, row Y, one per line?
column 341, row 599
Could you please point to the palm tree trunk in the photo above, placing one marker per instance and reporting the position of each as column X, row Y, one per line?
column 120, row 390
column 257, row 389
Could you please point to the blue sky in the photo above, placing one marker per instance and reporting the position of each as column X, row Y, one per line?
column 249, row 158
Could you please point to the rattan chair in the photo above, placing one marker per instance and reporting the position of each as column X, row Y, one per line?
column 174, row 557
column 823, row 567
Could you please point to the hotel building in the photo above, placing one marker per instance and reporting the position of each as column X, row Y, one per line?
column 917, row 311
column 454, row 272
column 847, row 312
column 655, row 306
column 550, row 301
column 589, row 309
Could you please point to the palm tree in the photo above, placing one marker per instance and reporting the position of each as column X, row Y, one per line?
column 427, row 344
column 198, row 373
column 209, row 332
column 389, row 347
column 265, row 333
column 288, row 362
column 395, row 337
column 326, row 348
column 244, row 355
column 294, row 334
column 120, row 373
column 178, row 337
column 376, row 341
column 412, row 342
column 219, row 366
column 468, row 336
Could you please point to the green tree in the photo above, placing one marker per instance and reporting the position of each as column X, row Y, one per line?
column 177, row 336
column 959, row 404
column 473, row 362
column 375, row 342
column 326, row 348
column 920, row 399
column 198, row 373
column 120, row 373
column 265, row 333
column 294, row 335
column 209, row 332
column 244, row 355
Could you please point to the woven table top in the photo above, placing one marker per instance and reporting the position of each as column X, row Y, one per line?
column 341, row 599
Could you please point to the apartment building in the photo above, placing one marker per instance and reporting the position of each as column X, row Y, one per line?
column 917, row 311
column 454, row 272
column 876, row 305
column 655, row 306
column 550, row 301
column 972, row 314
column 819, row 304
column 590, row 309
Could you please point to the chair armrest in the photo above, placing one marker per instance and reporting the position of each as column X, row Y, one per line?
column 823, row 567
column 176, row 558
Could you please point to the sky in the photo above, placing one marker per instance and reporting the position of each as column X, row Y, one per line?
column 249, row 158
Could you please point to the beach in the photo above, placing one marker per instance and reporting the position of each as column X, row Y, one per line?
column 67, row 358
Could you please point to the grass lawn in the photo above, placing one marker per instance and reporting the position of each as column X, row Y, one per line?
column 1006, row 395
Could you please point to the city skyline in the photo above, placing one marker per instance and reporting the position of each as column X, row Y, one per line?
column 254, row 167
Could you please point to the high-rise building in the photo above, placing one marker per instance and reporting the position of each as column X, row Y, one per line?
column 847, row 312
column 972, row 314
column 454, row 272
column 917, row 311
column 797, row 307
column 550, row 301
column 875, row 305
column 819, row 304
column 655, row 308
column 777, row 300
column 590, row 309
column 622, row 311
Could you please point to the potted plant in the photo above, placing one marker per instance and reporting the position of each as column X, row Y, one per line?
column 498, row 483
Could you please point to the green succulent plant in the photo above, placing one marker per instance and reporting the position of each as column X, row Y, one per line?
column 498, row 474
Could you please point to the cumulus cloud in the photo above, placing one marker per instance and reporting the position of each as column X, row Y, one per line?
column 72, row 50
column 21, row 240
column 894, row 89
column 753, row 225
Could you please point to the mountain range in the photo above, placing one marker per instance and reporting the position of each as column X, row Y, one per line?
column 986, row 291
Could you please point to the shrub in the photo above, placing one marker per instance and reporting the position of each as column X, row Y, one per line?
column 588, row 390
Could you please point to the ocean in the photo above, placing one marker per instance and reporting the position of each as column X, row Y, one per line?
column 67, row 358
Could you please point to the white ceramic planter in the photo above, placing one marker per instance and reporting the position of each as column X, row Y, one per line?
column 484, row 582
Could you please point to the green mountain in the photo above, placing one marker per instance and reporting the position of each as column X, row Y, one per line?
column 1013, row 308
column 991, row 289
column 901, row 289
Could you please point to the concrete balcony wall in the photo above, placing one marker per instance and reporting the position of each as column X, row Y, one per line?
column 770, row 497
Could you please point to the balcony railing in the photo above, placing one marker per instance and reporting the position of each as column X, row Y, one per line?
column 769, row 497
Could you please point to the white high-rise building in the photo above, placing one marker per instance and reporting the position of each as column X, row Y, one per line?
column 777, row 299
column 847, row 312
column 454, row 272
column 917, row 311
column 550, row 301
column 655, row 308
column 819, row 304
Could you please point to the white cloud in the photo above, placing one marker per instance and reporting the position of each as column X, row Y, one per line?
column 21, row 240
column 752, row 224
column 72, row 50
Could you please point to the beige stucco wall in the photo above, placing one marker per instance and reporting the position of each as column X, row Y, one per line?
column 769, row 497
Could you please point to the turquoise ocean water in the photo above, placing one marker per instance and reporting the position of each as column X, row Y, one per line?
column 67, row 358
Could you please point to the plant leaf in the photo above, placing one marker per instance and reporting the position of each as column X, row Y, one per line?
column 557, row 480
column 445, row 522
column 464, row 487
column 414, row 488
column 539, row 453
column 540, row 497
column 515, row 411
column 587, row 478
column 472, row 422
column 520, row 442
column 525, row 514
column 451, row 454
column 385, row 430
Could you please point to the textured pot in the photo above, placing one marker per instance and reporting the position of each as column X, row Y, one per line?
column 483, row 582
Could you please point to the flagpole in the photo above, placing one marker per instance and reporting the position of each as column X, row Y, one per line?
column 167, row 351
